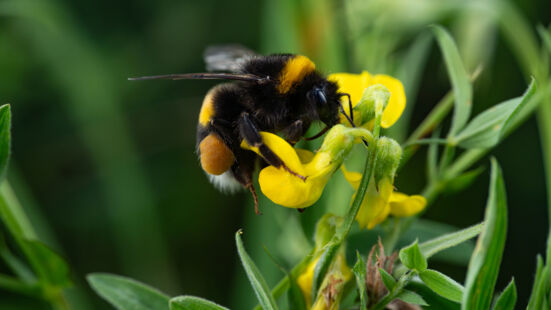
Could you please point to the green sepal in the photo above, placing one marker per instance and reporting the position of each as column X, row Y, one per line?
column 412, row 257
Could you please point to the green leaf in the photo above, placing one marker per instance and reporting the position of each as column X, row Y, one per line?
column 127, row 294
column 536, row 287
column 488, row 128
column 52, row 269
column 484, row 266
column 412, row 257
column 360, row 274
column 460, row 80
column 193, row 303
column 322, row 266
column 508, row 298
column 255, row 277
column 462, row 181
column 411, row 297
column 388, row 280
column 542, row 287
column 545, row 37
column 435, row 301
column 442, row 284
column 431, row 247
column 5, row 139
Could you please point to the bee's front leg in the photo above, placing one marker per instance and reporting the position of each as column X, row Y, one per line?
column 250, row 133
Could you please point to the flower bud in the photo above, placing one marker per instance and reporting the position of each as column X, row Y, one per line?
column 326, row 228
column 389, row 154
column 374, row 100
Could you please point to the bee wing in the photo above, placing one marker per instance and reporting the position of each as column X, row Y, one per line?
column 207, row 76
column 227, row 58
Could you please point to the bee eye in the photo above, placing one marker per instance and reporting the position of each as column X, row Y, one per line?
column 317, row 95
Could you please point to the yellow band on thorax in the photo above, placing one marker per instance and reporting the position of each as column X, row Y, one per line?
column 294, row 71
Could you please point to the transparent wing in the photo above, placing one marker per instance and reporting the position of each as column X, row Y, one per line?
column 227, row 58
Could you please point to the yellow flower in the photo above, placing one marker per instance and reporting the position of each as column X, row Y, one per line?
column 331, row 288
column 288, row 190
column 355, row 84
column 381, row 200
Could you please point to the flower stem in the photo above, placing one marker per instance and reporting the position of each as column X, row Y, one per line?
column 340, row 236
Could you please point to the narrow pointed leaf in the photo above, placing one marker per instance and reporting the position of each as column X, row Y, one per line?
column 431, row 247
column 442, row 285
column 256, row 279
column 5, row 139
column 536, row 287
column 411, row 297
column 412, row 257
column 388, row 280
column 127, row 294
column 488, row 128
column 508, row 298
column 545, row 36
column 51, row 268
column 359, row 271
column 193, row 303
column 484, row 265
column 460, row 80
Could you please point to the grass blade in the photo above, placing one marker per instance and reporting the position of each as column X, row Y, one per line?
column 5, row 139
column 258, row 283
column 484, row 266
column 508, row 298
column 460, row 81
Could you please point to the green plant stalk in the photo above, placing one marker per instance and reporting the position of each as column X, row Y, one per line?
column 341, row 234
column 435, row 117
column 17, row 286
column 431, row 121
column 15, row 219
column 402, row 282
column 544, row 122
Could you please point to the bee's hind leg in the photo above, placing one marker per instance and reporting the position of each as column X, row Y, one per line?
column 243, row 173
column 250, row 133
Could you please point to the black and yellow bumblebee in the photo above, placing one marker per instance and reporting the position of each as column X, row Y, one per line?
column 279, row 93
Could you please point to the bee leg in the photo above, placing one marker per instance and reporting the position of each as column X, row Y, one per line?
column 251, row 188
column 295, row 131
column 250, row 133
column 243, row 173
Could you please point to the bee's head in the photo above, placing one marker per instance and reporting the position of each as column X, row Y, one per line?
column 324, row 97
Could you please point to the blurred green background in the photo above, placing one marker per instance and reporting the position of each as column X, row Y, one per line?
column 106, row 168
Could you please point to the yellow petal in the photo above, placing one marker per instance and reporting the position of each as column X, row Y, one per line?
column 354, row 178
column 352, row 84
column 402, row 205
column 374, row 208
column 305, row 156
column 397, row 102
column 281, row 148
column 287, row 190
column 304, row 281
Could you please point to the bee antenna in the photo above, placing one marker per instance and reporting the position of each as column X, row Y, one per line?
column 350, row 117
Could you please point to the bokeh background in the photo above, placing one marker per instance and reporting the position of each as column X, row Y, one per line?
column 106, row 168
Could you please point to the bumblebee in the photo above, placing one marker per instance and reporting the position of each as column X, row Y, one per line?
column 279, row 93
